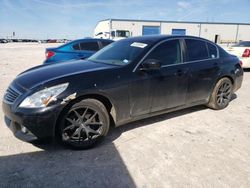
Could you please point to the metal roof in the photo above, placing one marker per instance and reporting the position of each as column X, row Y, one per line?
column 187, row 22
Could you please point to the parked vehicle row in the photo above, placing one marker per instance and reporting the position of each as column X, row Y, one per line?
column 34, row 40
column 3, row 41
column 76, row 102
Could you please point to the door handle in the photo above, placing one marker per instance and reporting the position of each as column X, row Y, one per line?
column 179, row 73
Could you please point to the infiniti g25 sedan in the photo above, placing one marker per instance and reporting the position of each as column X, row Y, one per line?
column 127, row 80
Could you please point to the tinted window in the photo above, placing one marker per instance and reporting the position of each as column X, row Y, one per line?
column 167, row 53
column 105, row 43
column 212, row 50
column 223, row 53
column 89, row 46
column 76, row 46
column 196, row 49
column 121, row 52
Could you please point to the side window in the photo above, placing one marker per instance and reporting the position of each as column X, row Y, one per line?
column 76, row 46
column 223, row 53
column 196, row 49
column 212, row 51
column 105, row 43
column 167, row 53
column 89, row 46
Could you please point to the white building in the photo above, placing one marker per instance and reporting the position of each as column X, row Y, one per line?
column 224, row 32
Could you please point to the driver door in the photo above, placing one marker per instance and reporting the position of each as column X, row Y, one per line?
column 153, row 90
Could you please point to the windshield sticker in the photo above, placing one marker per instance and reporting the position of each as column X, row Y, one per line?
column 138, row 45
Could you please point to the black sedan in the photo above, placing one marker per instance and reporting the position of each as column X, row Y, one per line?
column 128, row 80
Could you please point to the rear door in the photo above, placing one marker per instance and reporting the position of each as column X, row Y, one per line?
column 203, row 62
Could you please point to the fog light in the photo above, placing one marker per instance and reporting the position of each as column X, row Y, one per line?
column 24, row 129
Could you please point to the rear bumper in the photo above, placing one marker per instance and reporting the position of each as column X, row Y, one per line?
column 245, row 62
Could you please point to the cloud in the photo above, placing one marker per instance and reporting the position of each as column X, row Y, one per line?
column 184, row 5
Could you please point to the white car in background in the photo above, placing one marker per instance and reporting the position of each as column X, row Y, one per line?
column 242, row 51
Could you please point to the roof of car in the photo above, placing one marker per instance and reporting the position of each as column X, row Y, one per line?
column 157, row 38
column 91, row 39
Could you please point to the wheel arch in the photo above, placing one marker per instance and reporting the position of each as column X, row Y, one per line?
column 217, row 80
column 225, row 76
column 107, row 102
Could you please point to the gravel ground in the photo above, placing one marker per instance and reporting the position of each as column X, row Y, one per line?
column 195, row 147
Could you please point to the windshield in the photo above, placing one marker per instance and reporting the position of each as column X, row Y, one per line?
column 242, row 44
column 119, row 53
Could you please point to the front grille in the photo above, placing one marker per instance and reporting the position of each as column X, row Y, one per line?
column 11, row 94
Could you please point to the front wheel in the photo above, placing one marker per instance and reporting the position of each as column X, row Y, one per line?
column 221, row 94
column 84, row 124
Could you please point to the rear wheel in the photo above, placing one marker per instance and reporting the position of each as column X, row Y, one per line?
column 84, row 124
column 221, row 95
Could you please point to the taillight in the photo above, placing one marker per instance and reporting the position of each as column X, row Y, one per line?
column 246, row 53
column 49, row 54
column 240, row 62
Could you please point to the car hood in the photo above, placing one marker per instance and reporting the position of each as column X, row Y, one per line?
column 41, row 74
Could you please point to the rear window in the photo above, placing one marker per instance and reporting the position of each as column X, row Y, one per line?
column 196, row 50
column 105, row 43
column 223, row 53
column 212, row 51
column 89, row 46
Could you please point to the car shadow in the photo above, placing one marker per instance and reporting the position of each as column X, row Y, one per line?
column 117, row 131
column 55, row 165
column 246, row 69
column 60, row 167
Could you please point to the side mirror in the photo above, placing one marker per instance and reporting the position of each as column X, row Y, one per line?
column 150, row 64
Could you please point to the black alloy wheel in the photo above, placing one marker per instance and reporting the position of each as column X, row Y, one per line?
column 221, row 95
column 84, row 124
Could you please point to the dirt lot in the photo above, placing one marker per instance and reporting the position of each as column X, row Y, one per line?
column 196, row 147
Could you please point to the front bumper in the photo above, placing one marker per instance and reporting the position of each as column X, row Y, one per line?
column 31, row 124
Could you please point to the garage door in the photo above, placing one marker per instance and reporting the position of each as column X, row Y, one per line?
column 178, row 31
column 150, row 30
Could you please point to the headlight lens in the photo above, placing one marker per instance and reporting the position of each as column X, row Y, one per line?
column 44, row 97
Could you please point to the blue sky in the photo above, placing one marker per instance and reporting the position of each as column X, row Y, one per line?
column 77, row 18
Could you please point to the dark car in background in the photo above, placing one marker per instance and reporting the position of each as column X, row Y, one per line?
column 128, row 80
column 77, row 49
column 3, row 41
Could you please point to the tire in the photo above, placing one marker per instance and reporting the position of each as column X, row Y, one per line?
column 221, row 94
column 84, row 125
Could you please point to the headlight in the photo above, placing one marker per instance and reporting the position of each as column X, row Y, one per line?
column 44, row 97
